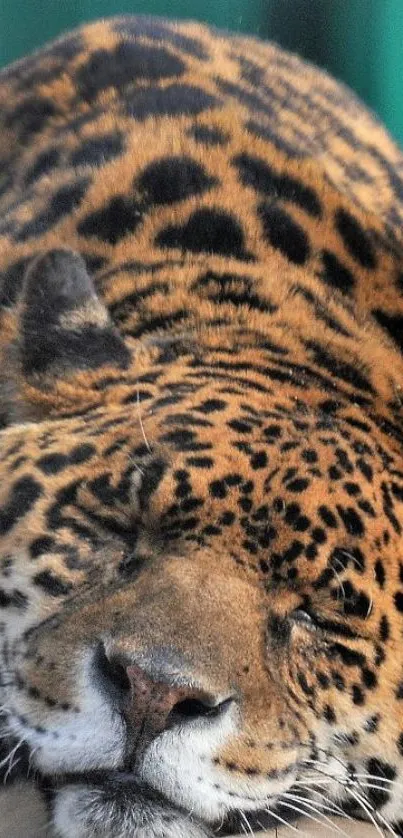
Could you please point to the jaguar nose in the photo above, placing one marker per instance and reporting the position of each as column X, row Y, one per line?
column 161, row 702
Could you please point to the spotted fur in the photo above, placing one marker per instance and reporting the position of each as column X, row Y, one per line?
column 201, row 478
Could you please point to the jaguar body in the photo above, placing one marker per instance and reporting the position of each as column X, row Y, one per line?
column 201, row 445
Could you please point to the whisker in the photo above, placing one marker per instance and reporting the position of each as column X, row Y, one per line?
column 388, row 826
column 316, row 763
column 283, row 822
column 325, row 803
column 300, row 811
column 312, row 782
column 244, row 818
column 217, row 828
column 378, row 814
column 368, row 809
column 315, row 808
column 379, row 779
column 12, row 765
column 332, row 806
column 31, row 756
column 11, row 754
column 141, row 423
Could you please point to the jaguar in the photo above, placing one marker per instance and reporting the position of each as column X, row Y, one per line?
column 201, row 445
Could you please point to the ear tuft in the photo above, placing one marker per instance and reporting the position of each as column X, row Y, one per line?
column 64, row 327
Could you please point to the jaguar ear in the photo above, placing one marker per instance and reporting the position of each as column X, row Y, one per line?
column 63, row 328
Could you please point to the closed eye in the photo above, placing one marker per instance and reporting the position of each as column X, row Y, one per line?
column 314, row 622
column 304, row 618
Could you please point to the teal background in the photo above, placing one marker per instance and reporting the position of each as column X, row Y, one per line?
column 359, row 41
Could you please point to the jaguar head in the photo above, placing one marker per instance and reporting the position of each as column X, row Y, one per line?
column 194, row 596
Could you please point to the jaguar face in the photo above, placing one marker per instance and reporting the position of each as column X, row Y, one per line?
column 190, row 634
column 157, row 668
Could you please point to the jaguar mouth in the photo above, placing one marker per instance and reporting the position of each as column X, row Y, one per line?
column 122, row 785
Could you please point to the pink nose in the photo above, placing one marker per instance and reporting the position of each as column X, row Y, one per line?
column 153, row 703
column 163, row 704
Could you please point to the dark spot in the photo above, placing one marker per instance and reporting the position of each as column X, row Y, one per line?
column 323, row 680
column 302, row 680
column 369, row 678
column 355, row 603
column 292, row 511
column 258, row 460
column 96, row 151
column 272, row 432
column 173, row 179
column 327, row 516
column 267, row 131
column 283, row 233
column 173, row 100
column 239, row 426
column 338, row 681
column 319, row 535
column 184, row 440
column 371, row 724
column 335, row 274
column 122, row 215
column 151, row 478
column 350, row 657
column 311, row 551
column 211, row 406
column 378, row 769
column 207, row 135
column 251, row 72
column 357, row 695
column 252, row 101
column 159, row 29
column 207, row 231
column 392, row 323
column 44, row 544
column 51, row 583
column 380, row 575
column 384, row 630
column 261, row 177
column 355, row 239
column 44, row 163
column 329, row 714
column 22, row 497
column 298, row 485
column 232, row 288
column 339, row 369
column 62, row 203
column 30, row 116
column 218, row 489
column 200, row 462
column 128, row 63
column 352, row 489
column 52, row 463
column 13, row 599
column 293, row 551
column 364, row 467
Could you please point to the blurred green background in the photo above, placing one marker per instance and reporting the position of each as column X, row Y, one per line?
column 359, row 41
